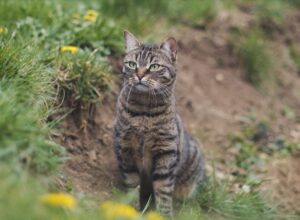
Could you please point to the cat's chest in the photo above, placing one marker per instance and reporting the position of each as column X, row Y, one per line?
column 139, row 133
column 141, row 125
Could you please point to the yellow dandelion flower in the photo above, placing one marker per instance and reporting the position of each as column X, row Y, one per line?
column 3, row 30
column 115, row 211
column 154, row 216
column 59, row 199
column 71, row 49
column 90, row 18
column 91, row 15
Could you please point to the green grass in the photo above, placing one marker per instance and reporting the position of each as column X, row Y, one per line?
column 193, row 12
column 33, row 68
column 294, row 2
column 295, row 55
column 251, row 49
column 254, row 147
column 252, row 46
column 23, row 192
column 215, row 200
column 83, row 77
column 26, row 96
column 140, row 15
column 272, row 11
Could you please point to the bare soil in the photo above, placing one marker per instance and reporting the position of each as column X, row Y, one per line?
column 282, row 183
column 214, row 100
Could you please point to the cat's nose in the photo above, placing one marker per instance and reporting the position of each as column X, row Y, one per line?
column 141, row 71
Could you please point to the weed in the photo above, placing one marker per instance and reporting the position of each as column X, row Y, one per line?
column 135, row 15
column 272, row 11
column 139, row 16
column 83, row 76
column 294, row 2
column 193, row 12
column 252, row 51
column 215, row 200
column 288, row 112
column 257, row 143
column 25, row 100
column 295, row 55
column 24, row 192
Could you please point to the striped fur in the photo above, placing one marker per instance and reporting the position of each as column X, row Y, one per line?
column 151, row 145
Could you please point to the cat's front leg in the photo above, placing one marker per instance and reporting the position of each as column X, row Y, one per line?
column 127, row 166
column 163, row 177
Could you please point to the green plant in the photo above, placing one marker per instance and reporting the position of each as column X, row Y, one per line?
column 294, row 2
column 252, row 51
column 295, row 55
column 272, row 11
column 21, row 198
column 26, row 94
column 215, row 200
column 140, row 15
column 94, row 35
column 288, row 112
column 83, row 77
column 255, row 145
column 193, row 12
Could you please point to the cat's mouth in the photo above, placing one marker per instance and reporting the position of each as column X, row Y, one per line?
column 141, row 87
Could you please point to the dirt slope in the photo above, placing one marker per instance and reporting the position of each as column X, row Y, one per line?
column 212, row 97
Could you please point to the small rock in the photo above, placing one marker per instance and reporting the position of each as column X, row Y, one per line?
column 209, row 169
column 92, row 155
column 189, row 105
column 219, row 42
column 246, row 188
column 295, row 134
column 220, row 175
column 219, row 77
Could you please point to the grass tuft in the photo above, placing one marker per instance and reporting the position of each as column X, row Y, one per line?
column 83, row 77
column 215, row 200
column 272, row 11
column 295, row 55
column 193, row 12
column 26, row 93
column 252, row 51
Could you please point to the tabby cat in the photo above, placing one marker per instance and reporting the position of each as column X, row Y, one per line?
column 152, row 147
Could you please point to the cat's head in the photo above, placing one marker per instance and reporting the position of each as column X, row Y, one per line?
column 149, row 67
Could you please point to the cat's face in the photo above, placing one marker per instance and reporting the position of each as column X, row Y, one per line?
column 149, row 68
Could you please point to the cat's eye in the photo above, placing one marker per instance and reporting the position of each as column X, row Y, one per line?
column 154, row 67
column 131, row 65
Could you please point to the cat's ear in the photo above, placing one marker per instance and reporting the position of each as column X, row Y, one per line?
column 170, row 45
column 130, row 41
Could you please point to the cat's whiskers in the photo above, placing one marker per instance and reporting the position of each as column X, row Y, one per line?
column 125, row 85
column 151, row 85
column 164, row 92
column 164, row 96
column 130, row 89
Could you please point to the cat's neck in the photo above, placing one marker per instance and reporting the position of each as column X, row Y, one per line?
column 148, row 100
